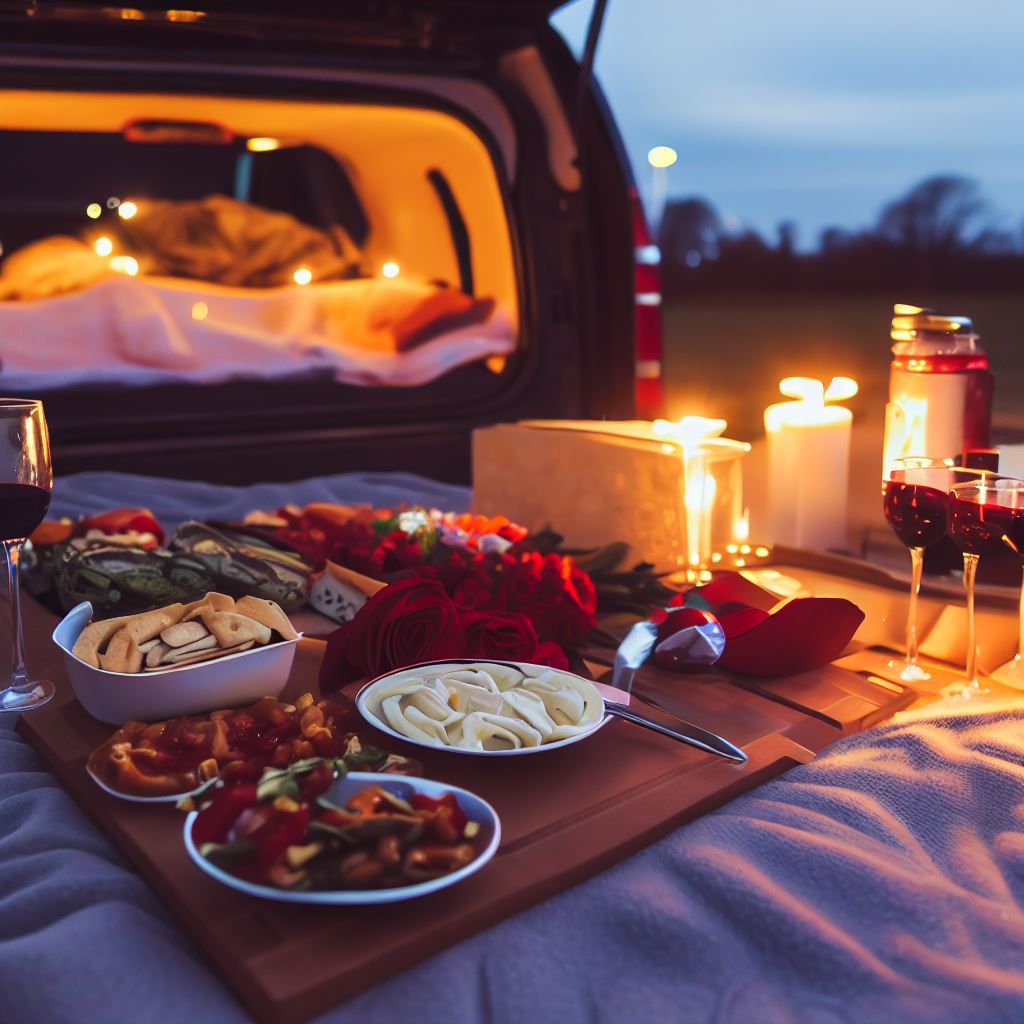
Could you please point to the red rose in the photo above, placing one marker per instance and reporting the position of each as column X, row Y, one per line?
column 499, row 636
column 549, row 653
column 520, row 581
column 352, row 545
column 397, row 551
column 408, row 621
column 558, row 617
column 468, row 581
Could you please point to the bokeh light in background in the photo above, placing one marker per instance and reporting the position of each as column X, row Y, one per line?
column 662, row 156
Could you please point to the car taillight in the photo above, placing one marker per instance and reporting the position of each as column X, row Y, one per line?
column 647, row 289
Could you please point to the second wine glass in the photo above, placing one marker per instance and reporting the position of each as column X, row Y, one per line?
column 991, row 518
column 977, row 525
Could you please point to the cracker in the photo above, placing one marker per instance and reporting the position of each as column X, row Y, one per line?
column 156, row 654
column 93, row 637
column 181, row 634
column 204, row 656
column 233, row 628
column 218, row 602
column 267, row 612
column 146, row 625
column 122, row 654
column 183, row 653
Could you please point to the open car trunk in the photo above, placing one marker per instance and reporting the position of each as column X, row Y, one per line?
column 242, row 245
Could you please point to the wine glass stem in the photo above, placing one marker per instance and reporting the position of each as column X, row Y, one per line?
column 19, row 677
column 970, row 570
column 916, row 565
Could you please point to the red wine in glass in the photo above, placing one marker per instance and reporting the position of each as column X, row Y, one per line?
column 26, row 478
column 980, row 518
column 1001, row 517
column 22, row 508
column 918, row 515
column 978, row 528
column 916, row 506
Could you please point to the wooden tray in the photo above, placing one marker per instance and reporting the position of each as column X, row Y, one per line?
column 565, row 815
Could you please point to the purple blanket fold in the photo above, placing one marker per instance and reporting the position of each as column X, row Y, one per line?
column 882, row 882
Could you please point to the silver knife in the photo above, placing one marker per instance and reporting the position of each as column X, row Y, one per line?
column 694, row 735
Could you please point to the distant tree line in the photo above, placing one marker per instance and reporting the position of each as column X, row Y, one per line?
column 935, row 236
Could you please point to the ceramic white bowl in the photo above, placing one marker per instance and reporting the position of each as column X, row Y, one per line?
column 366, row 702
column 403, row 786
column 119, row 697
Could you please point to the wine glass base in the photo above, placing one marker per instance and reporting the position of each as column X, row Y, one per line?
column 965, row 691
column 38, row 693
column 909, row 673
column 1010, row 674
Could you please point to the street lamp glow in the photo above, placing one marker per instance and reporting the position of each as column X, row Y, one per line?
column 390, row 269
column 662, row 156
column 262, row 144
column 93, row 211
column 303, row 275
column 103, row 246
column 127, row 210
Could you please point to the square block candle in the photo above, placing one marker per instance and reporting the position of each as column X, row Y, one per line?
column 598, row 481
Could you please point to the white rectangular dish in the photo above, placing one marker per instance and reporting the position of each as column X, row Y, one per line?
column 119, row 697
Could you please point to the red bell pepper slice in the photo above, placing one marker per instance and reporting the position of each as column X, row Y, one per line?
column 122, row 520
column 454, row 814
column 287, row 829
column 214, row 821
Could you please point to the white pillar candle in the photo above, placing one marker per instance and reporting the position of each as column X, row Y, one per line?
column 809, row 463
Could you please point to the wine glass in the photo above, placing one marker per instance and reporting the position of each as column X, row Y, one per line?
column 978, row 524
column 916, row 506
column 1001, row 514
column 26, row 480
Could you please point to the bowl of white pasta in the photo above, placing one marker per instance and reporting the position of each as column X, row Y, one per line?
column 488, row 708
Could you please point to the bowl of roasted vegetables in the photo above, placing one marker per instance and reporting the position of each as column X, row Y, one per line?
column 315, row 832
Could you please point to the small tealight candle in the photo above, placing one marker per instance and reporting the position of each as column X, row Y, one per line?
column 809, row 463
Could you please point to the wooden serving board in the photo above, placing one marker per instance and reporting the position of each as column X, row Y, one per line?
column 565, row 815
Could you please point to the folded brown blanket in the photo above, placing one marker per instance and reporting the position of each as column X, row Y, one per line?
column 224, row 241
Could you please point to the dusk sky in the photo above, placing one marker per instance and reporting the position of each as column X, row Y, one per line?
column 813, row 111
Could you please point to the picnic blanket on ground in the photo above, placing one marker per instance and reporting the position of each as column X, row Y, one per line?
column 882, row 882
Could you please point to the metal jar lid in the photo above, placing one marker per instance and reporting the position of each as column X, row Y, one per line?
column 913, row 323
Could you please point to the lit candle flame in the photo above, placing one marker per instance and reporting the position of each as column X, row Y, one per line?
column 810, row 397
column 690, row 431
